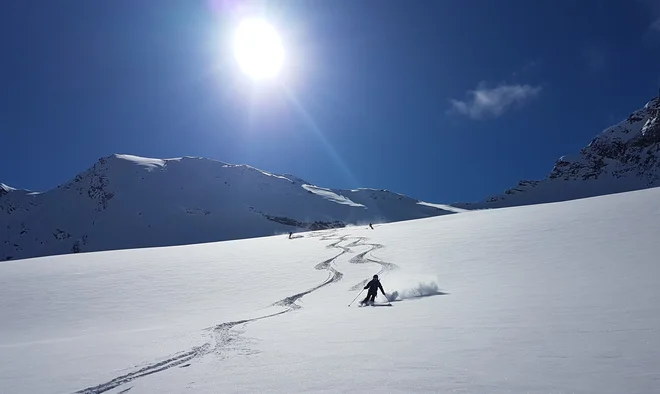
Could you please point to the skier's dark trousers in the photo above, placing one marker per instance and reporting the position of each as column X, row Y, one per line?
column 373, row 287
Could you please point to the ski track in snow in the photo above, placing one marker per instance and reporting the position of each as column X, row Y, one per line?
column 224, row 335
column 362, row 259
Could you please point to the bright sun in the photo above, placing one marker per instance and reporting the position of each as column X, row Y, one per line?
column 258, row 49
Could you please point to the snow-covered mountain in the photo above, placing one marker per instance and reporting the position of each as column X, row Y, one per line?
column 623, row 157
column 125, row 202
column 551, row 298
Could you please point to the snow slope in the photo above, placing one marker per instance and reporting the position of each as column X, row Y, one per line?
column 621, row 158
column 126, row 201
column 554, row 298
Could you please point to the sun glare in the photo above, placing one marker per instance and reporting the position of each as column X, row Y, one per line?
column 258, row 49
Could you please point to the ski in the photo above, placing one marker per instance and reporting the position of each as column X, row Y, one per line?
column 363, row 305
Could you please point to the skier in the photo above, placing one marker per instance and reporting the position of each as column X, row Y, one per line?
column 372, row 227
column 290, row 234
column 373, row 287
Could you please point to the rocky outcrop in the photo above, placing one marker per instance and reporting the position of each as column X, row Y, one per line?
column 627, row 149
column 624, row 157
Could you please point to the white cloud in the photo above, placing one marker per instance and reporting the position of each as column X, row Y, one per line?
column 494, row 102
column 655, row 25
column 526, row 68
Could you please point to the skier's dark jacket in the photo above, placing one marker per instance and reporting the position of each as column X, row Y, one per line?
column 374, row 285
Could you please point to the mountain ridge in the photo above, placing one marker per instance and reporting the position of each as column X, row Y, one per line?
column 211, row 200
column 126, row 201
column 623, row 157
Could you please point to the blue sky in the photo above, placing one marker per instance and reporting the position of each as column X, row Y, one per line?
column 444, row 101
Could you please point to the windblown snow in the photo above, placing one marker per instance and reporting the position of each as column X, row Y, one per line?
column 6, row 188
column 148, row 163
column 553, row 298
column 331, row 196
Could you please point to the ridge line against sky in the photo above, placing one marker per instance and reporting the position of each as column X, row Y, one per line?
column 442, row 102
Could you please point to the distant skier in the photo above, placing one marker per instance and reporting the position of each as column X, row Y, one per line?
column 373, row 287
column 372, row 227
column 290, row 234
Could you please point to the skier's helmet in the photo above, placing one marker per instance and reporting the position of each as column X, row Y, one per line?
column 375, row 276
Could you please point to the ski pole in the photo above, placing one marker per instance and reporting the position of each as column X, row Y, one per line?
column 356, row 297
column 387, row 298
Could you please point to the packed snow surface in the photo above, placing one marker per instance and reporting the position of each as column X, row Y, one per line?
column 554, row 298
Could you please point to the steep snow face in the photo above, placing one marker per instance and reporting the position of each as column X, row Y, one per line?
column 126, row 201
column 622, row 158
column 554, row 298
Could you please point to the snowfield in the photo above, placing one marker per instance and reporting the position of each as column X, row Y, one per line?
column 553, row 298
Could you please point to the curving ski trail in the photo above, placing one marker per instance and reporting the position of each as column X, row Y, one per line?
column 224, row 334
column 362, row 258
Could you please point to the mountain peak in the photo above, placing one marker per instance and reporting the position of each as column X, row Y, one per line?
column 653, row 104
column 125, row 201
column 623, row 157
